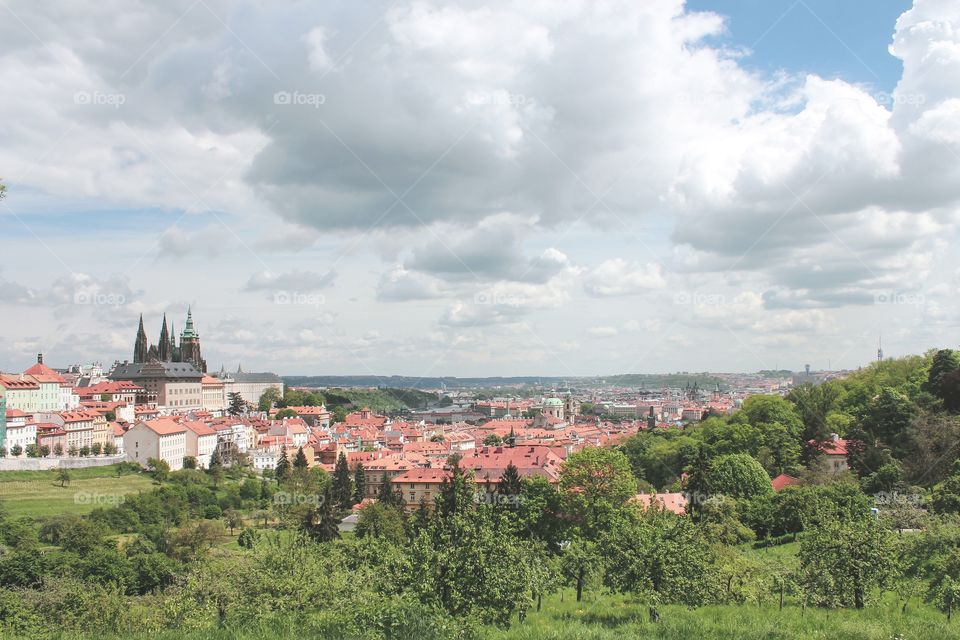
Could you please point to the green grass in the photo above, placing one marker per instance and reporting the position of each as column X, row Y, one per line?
column 38, row 494
column 605, row 617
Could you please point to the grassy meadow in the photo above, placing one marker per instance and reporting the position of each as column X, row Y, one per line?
column 39, row 494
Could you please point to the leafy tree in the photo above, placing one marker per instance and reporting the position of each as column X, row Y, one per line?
column 285, row 413
column 58, row 450
column 158, row 468
column 388, row 495
column 63, row 477
column 45, row 451
column 237, row 405
column 843, row 562
column 761, row 409
column 457, row 491
column 887, row 418
column 247, row 538
column 379, row 520
column 282, row 471
column 84, row 451
column 16, row 451
column 581, row 563
column 268, row 398
column 737, row 475
column 321, row 522
column 655, row 552
column 950, row 391
column 596, row 481
column 359, row 483
column 96, row 448
column 944, row 362
column 33, row 451
column 946, row 495
column 342, row 483
column 492, row 440
column 189, row 462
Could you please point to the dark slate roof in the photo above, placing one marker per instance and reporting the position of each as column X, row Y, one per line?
column 140, row 370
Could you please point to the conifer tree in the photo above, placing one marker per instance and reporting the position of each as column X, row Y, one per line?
column 359, row 484
column 342, row 484
column 300, row 461
column 282, row 470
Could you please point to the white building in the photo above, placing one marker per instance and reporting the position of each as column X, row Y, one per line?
column 21, row 431
column 201, row 442
column 163, row 439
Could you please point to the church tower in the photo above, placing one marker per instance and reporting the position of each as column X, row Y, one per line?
column 140, row 346
column 190, row 345
column 163, row 346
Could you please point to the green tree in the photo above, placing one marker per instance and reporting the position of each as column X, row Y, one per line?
column 63, row 477
column 282, row 471
column 359, row 483
column 510, row 485
column 237, row 405
column 737, row 475
column 946, row 495
column 233, row 519
column 321, row 521
column 247, row 538
column 300, row 461
column 492, row 440
column 158, row 468
column 843, row 562
column 268, row 398
column 379, row 520
column 945, row 361
column 596, row 481
column 342, row 483
column 581, row 563
column 285, row 413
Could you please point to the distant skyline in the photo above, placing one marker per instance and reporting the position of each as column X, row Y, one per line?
column 452, row 188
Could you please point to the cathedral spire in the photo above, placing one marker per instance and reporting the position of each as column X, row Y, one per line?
column 163, row 346
column 140, row 346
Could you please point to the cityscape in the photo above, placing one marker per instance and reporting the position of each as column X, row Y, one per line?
column 480, row 320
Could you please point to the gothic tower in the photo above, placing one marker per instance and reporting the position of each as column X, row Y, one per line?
column 163, row 346
column 140, row 346
column 190, row 345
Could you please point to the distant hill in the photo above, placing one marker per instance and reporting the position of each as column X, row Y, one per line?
column 648, row 380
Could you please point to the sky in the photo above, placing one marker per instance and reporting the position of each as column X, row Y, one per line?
column 427, row 187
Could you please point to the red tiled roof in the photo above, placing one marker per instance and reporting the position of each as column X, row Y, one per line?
column 783, row 480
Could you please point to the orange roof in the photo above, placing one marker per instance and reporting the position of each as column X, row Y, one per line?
column 199, row 428
column 783, row 480
column 672, row 502
column 164, row 426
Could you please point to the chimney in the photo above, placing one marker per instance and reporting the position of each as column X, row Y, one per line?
column 39, row 358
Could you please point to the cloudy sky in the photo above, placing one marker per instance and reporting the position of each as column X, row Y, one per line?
column 430, row 187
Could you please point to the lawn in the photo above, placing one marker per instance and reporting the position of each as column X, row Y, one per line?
column 39, row 494
column 607, row 617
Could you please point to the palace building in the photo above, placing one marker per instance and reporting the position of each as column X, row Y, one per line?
column 166, row 349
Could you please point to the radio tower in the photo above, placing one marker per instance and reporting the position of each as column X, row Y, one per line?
column 880, row 349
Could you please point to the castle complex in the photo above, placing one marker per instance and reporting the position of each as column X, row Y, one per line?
column 166, row 349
